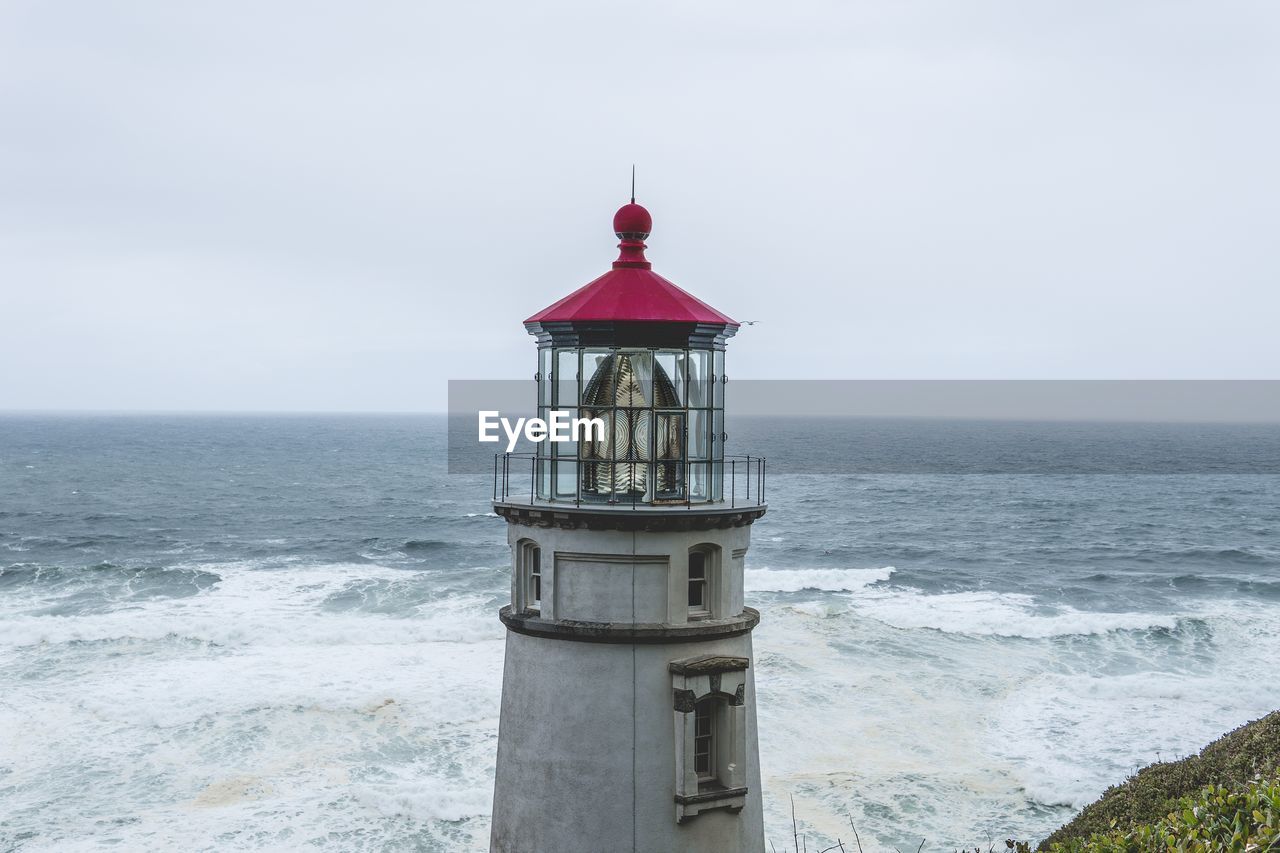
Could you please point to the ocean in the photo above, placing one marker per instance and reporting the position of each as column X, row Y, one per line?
column 280, row 632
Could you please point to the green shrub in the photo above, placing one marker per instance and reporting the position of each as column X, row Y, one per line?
column 1217, row 820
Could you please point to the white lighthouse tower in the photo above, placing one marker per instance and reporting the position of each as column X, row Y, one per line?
column 628, row 701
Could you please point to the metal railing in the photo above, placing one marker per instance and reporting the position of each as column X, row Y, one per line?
column 733, row 481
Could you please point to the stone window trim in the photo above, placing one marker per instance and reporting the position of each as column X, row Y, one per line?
column 709, row 665
column 722, row 679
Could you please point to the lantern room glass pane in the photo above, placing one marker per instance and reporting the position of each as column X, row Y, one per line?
column 544, row 376
column 569, row 448
column 668, row 480
column 566, row 479
column 669, row 365
column 699, row 378
column 668, row 471
column 699, row 434
column 717, row 391
column 566, row 378
column 597, row 376
column 699, row 481
column 541, row 448
column 633, row 372
column 597, row 444
column 641, row 434
column 596, row 451
column 544, row 476
column 669, row 435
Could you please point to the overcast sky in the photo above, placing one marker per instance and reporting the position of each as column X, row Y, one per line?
column 318, row 206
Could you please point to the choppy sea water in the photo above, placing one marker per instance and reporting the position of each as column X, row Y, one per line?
column 273, row 633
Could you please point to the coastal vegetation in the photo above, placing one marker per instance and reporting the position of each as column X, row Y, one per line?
column 1215, row 819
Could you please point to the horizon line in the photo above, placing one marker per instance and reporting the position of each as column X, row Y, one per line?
column 284, row 413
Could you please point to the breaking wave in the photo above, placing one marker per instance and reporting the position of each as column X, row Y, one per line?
column 827, row 580
column 998, row 614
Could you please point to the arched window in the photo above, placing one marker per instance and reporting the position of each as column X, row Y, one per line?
column 528, row 586
column 709, row 693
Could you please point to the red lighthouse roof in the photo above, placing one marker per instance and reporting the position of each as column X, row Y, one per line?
column 631, row 292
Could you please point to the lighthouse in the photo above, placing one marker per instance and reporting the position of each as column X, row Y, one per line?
column 628, row 717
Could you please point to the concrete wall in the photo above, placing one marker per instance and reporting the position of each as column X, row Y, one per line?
column 625, row 588
column 585, row 578
column 586, row 752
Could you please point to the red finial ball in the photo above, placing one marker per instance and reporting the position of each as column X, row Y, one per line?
column 632, row 222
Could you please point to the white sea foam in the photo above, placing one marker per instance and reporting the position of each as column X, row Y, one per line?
column 274, row 606
column 255, row 708
column 1067, row 737
column 996, row 614
column 354, row 705
column 424, row 800
column 796, row 580
column 1008, row 722
column 977, row 612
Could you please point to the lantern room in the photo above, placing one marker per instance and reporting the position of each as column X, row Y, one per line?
column 646, row 359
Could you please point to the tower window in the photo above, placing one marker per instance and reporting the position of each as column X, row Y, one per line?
column 535, row 577
column 704, row 582
column 709, row 697
column 526, row 589
column 704, row 740
column 698, row 582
